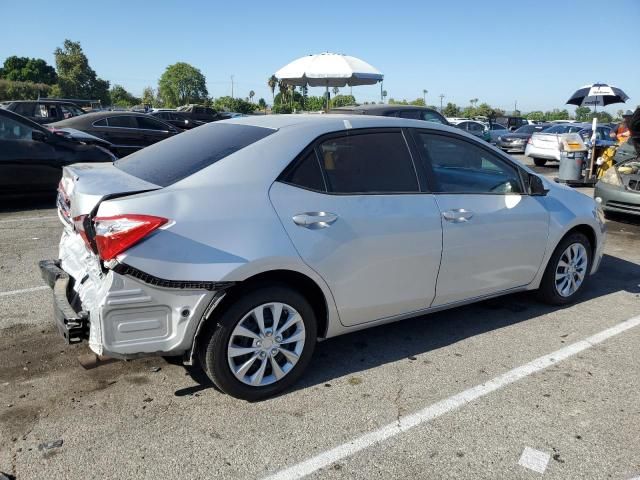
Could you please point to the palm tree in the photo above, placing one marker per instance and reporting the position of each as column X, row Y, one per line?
column 336, row 90
column 290, row 90
column 251, row 95
column 282, row 87
column 272, row 82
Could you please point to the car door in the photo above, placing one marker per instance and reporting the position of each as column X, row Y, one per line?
column 355, row 213
column 494, row 234
column 153, row 130
column 122, row 131
column 26, row 165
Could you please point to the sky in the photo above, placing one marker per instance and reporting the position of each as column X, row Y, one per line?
column 499, row 51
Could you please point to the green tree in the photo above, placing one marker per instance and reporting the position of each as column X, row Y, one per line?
column 468, row 112
column 536, row 115
column 230, row 104
column 25, row 69
column 451, row 110
column 335, row 91
column 181, row 84
column 556, row 114
column 393, row 101
column 22, row 90
column 251, row 95
column 314, row 104
column 122, row 98
column 262, row 105
column 418, row 102
column 272, row 83
column 604, row 117
column 583, row 114
column 342, row 101
column 76, row 79
column 148, row 96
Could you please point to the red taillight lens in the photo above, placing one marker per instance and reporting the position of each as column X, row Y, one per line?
column 114, row 235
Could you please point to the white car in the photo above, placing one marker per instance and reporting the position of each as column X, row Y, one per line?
column 553, row 141
column 241, row 243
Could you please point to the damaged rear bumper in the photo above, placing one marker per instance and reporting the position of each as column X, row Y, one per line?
column 72, row 325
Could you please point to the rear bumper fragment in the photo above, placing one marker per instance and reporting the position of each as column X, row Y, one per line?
column 72, row 325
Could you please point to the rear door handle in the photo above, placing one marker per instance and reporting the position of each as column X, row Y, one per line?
column 315, row 220
column 457, row 215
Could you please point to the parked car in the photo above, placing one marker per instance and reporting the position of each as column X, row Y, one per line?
column 401, row 111
column 603, row 136
column 126, row 131
column 517, row 141
column 477, row 129
column 618, row 190
column 495, row 130
column 546, row 145
column 202, row 114
column 32, row 157
column 240, row 243
column 44, row 111
column 512, row 123
column 180, row 120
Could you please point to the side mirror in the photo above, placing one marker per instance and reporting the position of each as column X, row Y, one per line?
column 536, row 186
column 39, row 136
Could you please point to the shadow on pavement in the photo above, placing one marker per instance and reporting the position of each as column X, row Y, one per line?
column 27, row 203
column 366, row 349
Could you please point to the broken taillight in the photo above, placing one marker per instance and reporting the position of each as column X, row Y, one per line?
column 80, row 228
column 114, row 235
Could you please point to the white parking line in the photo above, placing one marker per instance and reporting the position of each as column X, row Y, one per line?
column 23, row 290
column 447, row 405
column 28, row 219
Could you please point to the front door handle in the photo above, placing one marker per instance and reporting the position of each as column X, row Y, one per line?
column 315, row 220
column 457, row 215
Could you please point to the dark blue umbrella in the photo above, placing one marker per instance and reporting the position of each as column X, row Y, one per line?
column 597, row 95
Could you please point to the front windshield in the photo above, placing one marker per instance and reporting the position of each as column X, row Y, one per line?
column 527, row 129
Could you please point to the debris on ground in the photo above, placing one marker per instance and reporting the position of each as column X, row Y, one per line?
column 155, row 369
column 50, row 445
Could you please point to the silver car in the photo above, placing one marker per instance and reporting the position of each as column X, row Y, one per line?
column 239, row 244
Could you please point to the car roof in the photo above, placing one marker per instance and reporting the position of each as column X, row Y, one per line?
column 19, row 118
column 43, row 100
column 379, row 108
column 89, row 118
column 336, row 122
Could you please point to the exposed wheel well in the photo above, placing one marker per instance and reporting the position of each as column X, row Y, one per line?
column 587, row 231
column 295, row 280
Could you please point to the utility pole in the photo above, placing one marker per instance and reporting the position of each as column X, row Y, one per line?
column 424, row 96
column 381, row 96
column 441, row 97
column 231, row 86
column 515, row 107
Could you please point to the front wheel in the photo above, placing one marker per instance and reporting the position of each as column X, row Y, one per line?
column 261, row 344
column 539, row 162
column 566, row 271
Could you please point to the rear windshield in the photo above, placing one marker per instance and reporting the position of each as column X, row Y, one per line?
column 171, row 160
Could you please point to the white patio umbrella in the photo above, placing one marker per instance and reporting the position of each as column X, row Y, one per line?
column 328, row 70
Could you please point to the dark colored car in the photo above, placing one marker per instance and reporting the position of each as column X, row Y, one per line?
column 181, row 120
column 202, row 114
column 402, row 111
column 44, row 111
column 128, row 132
column 517, row 141
column 512, row 123
column 32, row 157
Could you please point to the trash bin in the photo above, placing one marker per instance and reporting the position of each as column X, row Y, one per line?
column 573, row 158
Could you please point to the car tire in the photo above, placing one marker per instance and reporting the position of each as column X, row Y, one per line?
column 539, row 162
column 225, row 367
column 556, row 274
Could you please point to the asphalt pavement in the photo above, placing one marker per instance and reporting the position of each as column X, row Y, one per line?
column 507, row 388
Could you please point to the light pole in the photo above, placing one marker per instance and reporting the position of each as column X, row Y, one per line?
column 441, row 97
column 231, row 86
column 424, row 96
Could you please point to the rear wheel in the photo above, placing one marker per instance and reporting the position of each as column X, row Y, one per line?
column 567, row 270
column 262, row 343
column 539, row 162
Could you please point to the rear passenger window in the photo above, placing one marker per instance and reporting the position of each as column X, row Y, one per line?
column 150, row 124
column 306, row 173
column 122, row 121
column 24, row 109
column 369, row 163
column 460, row 166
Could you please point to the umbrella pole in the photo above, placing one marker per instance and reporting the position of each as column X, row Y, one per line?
column 326, row 96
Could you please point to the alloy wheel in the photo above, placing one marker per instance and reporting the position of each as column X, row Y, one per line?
column 266, row 344
column 571, row 269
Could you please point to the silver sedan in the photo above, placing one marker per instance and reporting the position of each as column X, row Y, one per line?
column 239, row 244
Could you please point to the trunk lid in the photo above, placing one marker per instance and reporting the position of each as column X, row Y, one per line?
column 84, row 186
column 545, row 140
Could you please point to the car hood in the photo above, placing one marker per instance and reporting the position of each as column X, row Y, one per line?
column 79, row 136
